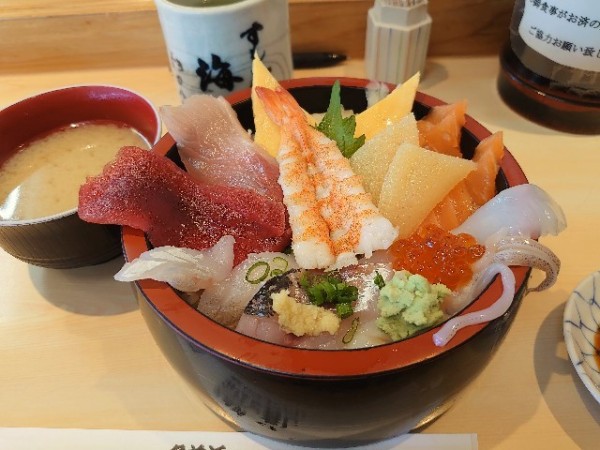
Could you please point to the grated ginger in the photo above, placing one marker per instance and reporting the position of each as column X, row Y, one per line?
column 302, row 319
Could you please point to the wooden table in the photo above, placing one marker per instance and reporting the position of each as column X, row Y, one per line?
column 75, row 351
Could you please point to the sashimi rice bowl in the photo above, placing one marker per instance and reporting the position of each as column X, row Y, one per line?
column 328, row 279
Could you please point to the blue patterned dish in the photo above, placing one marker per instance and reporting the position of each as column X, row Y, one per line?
column 580, row 326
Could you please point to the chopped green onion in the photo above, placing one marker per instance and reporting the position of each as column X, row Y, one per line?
column 379, row 281
column 280, row 266
column 279, row 261
column 329, row 289
column 259, row 271
column 351, row 331
column 343, row 310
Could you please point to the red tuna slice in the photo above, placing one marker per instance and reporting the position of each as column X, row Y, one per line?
column 149, row 192
column 216, row 149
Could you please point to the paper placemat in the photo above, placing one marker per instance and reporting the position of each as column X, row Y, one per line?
column 79, row 439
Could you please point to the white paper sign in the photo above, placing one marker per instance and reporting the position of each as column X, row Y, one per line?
column 78, row 439
column 565, row 31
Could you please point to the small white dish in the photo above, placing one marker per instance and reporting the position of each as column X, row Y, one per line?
column 581, row 322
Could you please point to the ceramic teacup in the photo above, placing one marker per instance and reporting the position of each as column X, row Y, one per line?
column 212, row 43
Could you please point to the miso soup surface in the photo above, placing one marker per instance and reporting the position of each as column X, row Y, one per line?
column 44, row 176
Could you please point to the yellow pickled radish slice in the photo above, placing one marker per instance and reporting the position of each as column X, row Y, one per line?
column 391, row 108
column 416, row 181
column 371, row 161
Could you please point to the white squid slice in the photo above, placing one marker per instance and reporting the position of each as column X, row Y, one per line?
column 522, row 251
column 525, row 209
column 185, row 269
column 508, row 225
column 498, row 308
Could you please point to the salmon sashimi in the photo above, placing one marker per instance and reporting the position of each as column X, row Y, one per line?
column 151, row 193
column 327, row 205
column 440, row 129
column 488, row 156
column 475, row 190
column 215, row 148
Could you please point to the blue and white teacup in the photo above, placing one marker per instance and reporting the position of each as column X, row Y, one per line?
column 211, row 43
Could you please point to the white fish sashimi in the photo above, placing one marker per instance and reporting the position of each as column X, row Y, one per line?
column 184, row 269
column 216, row 149
column 356, row 331
column 224, row 302
column 525, row 209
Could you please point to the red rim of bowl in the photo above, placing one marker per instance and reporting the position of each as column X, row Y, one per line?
column 257, row 354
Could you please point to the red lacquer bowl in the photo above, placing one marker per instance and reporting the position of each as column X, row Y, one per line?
column 63, row 240
column 319, row 397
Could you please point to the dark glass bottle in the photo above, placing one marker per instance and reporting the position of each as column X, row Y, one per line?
column 550, row 66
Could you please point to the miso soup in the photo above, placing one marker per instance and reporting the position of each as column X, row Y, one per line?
column 43, row 177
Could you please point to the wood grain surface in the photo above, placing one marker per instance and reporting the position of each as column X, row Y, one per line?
column 37, row 35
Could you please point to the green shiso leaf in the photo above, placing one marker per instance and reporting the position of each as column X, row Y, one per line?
column 338, row 128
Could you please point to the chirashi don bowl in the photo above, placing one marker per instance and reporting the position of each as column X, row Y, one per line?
column 323, row 397
column 62, row 240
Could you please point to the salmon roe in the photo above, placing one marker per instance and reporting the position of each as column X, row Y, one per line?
column 438, row 255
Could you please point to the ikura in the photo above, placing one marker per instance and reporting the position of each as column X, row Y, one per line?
column 438, row 255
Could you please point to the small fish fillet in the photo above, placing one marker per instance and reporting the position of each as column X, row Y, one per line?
column 226, row 300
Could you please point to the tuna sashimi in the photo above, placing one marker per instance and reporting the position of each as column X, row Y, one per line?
column 475, row 190
column 440, row 129
column 149, row 192
column 216, row 149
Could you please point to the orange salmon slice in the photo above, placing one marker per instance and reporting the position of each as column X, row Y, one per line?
column 440, row 129
column 472, row 192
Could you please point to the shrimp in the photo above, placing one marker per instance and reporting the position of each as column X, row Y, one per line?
column 317, row 180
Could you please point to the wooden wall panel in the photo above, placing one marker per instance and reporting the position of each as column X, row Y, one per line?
column 40, row 35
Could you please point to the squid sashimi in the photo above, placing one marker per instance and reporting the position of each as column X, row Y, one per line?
column 508, row 225
column 185, row 269
column 440, row 129
column 526, row 209
column 149, row 192
column 216, row 149
column 332, row 217
column 472, row 192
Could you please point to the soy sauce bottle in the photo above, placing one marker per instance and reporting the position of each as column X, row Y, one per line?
column 550, row 66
